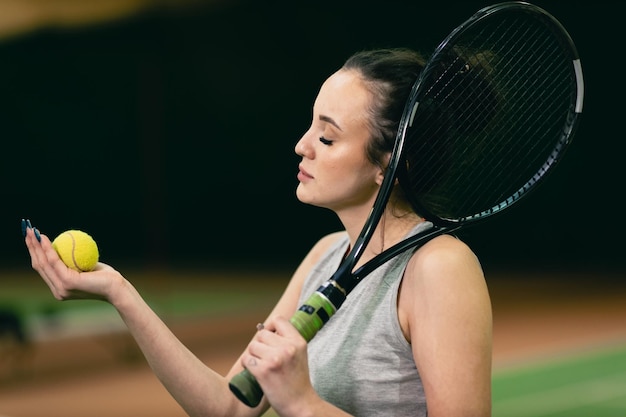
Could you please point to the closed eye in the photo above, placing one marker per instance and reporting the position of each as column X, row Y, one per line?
column 325, row 141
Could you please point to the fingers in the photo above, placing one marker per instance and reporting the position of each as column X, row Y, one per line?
column 33, row 241
column 45, row 260
column 281, row 327
column 26, row 225
column 284, row 327
column 39, row 247
column 278, row 324
column 277, row 358
column 275, row 342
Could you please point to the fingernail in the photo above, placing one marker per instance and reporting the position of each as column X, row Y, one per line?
column 30, row 226
column 23, row 227
column 37, row 235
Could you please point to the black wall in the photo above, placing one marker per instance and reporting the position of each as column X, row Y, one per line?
column 169, row 136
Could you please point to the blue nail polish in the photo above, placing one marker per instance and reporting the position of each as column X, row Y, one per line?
column 23, row 227
column 37, row 235
column 30, row 226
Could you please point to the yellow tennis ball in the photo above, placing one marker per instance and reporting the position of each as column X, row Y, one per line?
column 77, row 250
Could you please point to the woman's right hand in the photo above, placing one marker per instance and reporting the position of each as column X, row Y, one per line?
column 66, row 283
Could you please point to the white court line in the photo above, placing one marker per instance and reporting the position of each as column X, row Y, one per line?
column 563, row 398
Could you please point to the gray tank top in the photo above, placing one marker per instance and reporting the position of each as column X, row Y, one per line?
column 360, row 361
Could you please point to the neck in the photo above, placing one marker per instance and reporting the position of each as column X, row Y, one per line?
column 391, row 229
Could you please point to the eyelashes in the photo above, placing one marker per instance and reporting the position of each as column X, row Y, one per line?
column 325, row 141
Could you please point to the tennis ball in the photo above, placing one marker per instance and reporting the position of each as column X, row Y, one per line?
column 77, row 250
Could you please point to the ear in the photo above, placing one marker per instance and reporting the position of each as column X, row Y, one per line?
column 380, row 175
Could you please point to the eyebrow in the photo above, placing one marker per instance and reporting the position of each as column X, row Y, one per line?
column 330, row 120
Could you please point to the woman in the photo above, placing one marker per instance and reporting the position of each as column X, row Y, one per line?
column 413, row 339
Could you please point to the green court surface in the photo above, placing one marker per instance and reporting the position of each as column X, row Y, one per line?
column 590, row 384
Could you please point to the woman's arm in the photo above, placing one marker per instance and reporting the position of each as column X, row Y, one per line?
column 196, row 387
column 445, row 312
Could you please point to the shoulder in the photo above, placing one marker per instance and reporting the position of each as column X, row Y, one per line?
column 330, row 239
column 288, row 303
column 322, row 246
column 319, row 249
column 444, row 266
column 442, row 276
column 441, row 256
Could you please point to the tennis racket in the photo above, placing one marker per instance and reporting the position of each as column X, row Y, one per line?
column 490, row 115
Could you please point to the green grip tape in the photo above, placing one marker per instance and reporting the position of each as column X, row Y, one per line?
column 312, row 315
column 308, row 320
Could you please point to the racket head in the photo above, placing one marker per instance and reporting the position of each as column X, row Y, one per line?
column 491, row 114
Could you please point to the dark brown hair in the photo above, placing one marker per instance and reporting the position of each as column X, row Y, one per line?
column 389, row 74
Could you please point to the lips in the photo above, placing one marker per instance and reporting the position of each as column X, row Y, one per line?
column 303, row 175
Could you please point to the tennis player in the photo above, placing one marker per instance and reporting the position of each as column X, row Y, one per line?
column 413, row 339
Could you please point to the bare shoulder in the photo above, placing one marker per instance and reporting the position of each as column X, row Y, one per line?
column 322, row 246
column 442, row 256
column 443, row 286
column 444, row 273
column 328, row 240
column 315, row 254
column 312, row 258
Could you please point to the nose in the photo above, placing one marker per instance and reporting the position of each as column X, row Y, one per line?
column 303, row 146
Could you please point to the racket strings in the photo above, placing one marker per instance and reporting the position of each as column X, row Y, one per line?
column 487, row 127
column 495, row 173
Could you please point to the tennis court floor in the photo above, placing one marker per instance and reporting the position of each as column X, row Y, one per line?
column 586, row 384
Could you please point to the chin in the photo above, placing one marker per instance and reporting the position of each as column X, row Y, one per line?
column 303, row 198
column 307, row 198
column 300, row 194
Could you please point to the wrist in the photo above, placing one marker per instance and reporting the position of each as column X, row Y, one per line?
column 120, row 291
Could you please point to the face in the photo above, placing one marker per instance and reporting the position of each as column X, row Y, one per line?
column 334, row 172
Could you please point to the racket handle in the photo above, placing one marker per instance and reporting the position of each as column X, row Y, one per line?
column 308, row 320
column 315, row 312
column 245, row 387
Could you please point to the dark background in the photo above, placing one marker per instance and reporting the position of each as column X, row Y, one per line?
column 169, row 135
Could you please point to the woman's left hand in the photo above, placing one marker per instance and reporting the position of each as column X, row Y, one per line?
column 277, row 357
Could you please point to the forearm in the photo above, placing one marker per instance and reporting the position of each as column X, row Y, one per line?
column 196, row 387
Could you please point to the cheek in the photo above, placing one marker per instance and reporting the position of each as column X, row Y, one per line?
column 358, row 166
column 359, row 175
